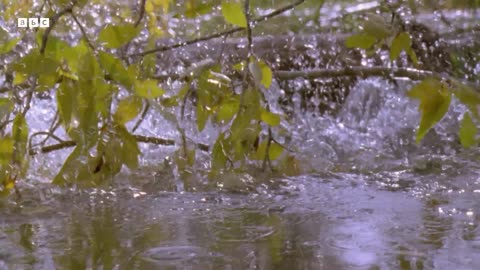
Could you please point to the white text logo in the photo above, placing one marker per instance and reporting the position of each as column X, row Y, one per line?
column 33, row 22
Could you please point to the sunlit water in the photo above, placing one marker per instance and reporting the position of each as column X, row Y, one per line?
column 370, row 198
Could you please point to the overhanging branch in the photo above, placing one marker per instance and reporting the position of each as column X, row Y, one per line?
column 220, row 34
column 139, row 138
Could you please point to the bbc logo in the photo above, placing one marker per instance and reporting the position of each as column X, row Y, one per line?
column 33, row 22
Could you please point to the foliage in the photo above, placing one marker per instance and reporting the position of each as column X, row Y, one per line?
column 100, row 91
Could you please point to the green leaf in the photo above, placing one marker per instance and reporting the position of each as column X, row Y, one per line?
column 413, row 56
column 128, row 109
column 7, row 43
column 6, row 106
column 271, row 119
column 148, row 89
column 34, row 64
column 233, row 13
column 266, row 74
column 259, row 154
column 252, row 103
column 20, row 132
column 401, row 42
column 89, row 70
column 70, row 167
column 197, row 9
column 468, row 96
column 468, row 131
column 228, row 109
column 255, row 70
column 219, row 157
column 116, row 70
column 202, row 116
column 6, row 150
column 362, row 41
column 130, row 150
column 377, row 26
column 434, row 102
column 275, row 151
column 115, row 36
column 113, row 160
column 66, row 102
column 20, row 136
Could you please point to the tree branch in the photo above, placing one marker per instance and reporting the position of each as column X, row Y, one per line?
column 53, row 22
column 363, row 72
column 142, row 12
column 139, row 138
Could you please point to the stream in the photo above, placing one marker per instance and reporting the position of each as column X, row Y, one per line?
column 369, row 198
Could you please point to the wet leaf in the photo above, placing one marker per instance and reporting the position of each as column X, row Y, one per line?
column 7, row 43
column 116, row 69
column 20, row 137
column 233, row 13
column 113, row 161
column 219, row 158
column 6, row 150
column 20, row 133
column 275, row 151
column 128, row 109
column 66, row 102
column 6, row 106
column 271, row 119
column 195, row 9
column 401, row 42
column 434, row 102
column 256, row 71
column 202, row 116
column 34, row 64
column 468, row 131
column 130, row 150
column 467, row 96
column 70, row 167
column 266, row 74
column 259, row 153
column 362, row 41
column 115, row 36
column 377, row 26
column 148, row 89
column 228, row 109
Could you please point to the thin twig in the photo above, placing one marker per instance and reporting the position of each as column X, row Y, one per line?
column 53, row 22
column 142, row 13
column 142, row 117
column 48, row 134
column 82, row 29
column 217, row 35
column 29, row 97
column 414, row 74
